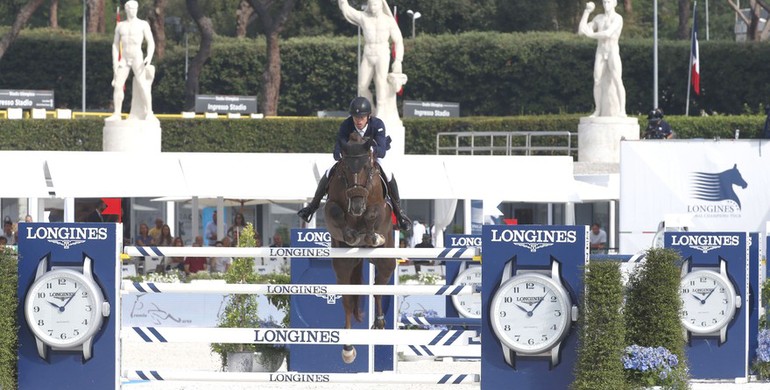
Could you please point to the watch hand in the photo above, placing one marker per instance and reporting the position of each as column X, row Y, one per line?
column 709, row 294
column 539, row 302
column 698, row 299
column 522, row 309
column 54, row 305
column 68, row 300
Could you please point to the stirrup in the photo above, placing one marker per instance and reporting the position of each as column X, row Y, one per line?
column 306, row 213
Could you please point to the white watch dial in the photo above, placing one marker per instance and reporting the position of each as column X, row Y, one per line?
column 531, row 313
column 468, row 306
column 63, row 308
column 708, row 301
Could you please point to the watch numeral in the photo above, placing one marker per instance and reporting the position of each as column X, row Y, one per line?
column 685, row 290
column 692, row 283
column 517, row 337
column 703, row 323
column 88, row 307
column 76, row 332
column 515, row 290
column 36, row 309
column 553, row 327
column 530, row 285
column 703, row 280
column 48, row 285
column 531, row 341
column 84, row 294
column 722, row 312
column 63, row 336
column 557, row 313
column 41, row 295
column 724, row 301
column 508, row 299
column 85, row 322
column 553, row 298
column 507, row 328
column 40, row 323
column 62, row 282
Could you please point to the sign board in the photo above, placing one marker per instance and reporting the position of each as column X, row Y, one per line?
column 226, row 104
column 333, row 114
column 26, row 99
column 715, row 185
column 520, row 251
column 418, row 109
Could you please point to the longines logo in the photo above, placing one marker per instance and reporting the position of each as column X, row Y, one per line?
column 717, row 190
column 467, row 242
column 66, row 236
column 321, row 239
column 534, row 239
column 331, row 299
column 705, row 243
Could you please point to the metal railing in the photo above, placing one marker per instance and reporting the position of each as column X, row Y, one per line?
column 507, row 143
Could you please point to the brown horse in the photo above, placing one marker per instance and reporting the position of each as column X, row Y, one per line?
column 357, row 215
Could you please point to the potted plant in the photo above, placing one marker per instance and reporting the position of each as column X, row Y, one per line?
column 241, row 312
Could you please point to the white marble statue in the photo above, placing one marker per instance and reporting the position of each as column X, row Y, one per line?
column 127, row 56
column 609, row 92
column 379, row 29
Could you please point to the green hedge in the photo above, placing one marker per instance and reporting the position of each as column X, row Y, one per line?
column 489, row 73
column 602, row 330
column 316, row 135
column 653, row 306
column 9, row 334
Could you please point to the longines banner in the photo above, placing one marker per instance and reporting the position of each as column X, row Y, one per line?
column 716, row 185
column 26, row 99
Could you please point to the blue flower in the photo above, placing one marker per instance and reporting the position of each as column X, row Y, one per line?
column 652, row 363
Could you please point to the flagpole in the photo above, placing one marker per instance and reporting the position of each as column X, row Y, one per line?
column 689, row 71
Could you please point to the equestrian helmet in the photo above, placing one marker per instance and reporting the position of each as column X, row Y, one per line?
column 360, row 106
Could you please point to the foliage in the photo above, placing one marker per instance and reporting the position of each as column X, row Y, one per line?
column 763, row 320
column 602, row 331
column 241, row 309
column 653, row 307
column 652, row 366
column 516, row 76
column 8, row 321
column 762, row 364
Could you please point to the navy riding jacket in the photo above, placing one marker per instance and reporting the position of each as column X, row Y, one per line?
column 375, row 130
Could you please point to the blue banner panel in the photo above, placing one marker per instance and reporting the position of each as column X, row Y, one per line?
column 454, row 267
column 326, row 311
column 532, row 282
column 755, row 286
column 714, row 351
column 52, row 247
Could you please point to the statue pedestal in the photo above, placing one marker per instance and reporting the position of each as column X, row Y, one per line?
column 599, row 137
column 131, row 135
column 395, row 130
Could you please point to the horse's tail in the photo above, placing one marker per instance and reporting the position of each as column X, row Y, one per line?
column 357, row 277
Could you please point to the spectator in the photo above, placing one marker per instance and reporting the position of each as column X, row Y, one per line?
column 598, row 238
column 193, row 264
column 211, row 230
column 426, row 242
column 28, row 218
column 220, row 264
column 8, row 231
column 175, row 263
column 96, row 215
column 657, row 128
column 165, row 238
column 144, row 238
column 277, row 241
column 155, row 231
column 3, row 243
column 234, row 233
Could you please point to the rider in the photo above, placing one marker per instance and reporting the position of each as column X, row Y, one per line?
column 362, row 121
column 657, row 128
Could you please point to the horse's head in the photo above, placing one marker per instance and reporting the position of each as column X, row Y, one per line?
column 734, row 175
column 357, row 170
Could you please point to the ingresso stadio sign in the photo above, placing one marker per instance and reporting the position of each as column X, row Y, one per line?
column 226, row 104
column 413, row 108
column 26, row 99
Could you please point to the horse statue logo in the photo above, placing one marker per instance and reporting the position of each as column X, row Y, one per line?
column 715, row 187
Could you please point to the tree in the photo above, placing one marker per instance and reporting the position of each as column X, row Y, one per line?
column 272, row 16
column 206, row 28
column 157, row 19
column 683, row 31
column 53, row 15
column 95, row 22
column 21, row 19
column 243, row 17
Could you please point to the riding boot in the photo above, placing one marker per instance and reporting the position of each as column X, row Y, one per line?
column 403, row 221
column 307, row 213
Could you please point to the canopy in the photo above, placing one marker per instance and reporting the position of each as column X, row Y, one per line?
column 280, row 177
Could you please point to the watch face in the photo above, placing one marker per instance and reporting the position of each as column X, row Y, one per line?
column 531, row 313
column 708, row 301
column 62, row 308
column 468, row 306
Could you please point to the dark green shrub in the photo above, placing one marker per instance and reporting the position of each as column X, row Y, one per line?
column 653, row 307
column 602, row 330
column 8, row 323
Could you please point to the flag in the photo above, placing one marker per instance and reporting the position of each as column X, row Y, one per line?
column 113, row 207
column 695, row 60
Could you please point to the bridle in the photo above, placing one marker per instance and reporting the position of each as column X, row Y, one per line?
column 357, row 189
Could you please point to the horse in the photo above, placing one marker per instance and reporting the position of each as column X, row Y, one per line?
column 716, row 187
column 358, row 215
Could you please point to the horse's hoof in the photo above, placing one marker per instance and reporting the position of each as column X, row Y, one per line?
column 349, row 356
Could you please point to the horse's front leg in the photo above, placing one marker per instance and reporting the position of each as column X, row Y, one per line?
column 384, row 271
column 372, row 219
